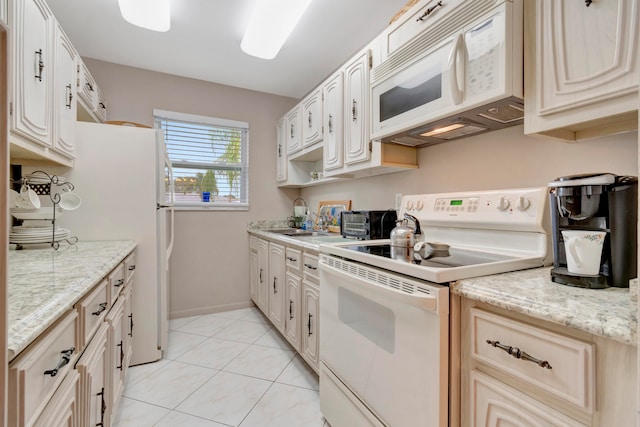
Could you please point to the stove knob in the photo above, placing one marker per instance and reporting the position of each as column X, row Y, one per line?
column 419, row 205
column 523, row 203
column 409, row 205
column 503, row 204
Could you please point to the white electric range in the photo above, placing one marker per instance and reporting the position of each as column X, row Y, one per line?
column 384, row 310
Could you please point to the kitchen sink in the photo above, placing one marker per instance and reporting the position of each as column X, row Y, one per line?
column 299, row 232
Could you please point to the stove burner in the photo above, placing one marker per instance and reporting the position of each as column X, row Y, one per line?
column 453, row 258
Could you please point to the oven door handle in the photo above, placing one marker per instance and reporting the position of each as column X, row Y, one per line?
column 348, row 280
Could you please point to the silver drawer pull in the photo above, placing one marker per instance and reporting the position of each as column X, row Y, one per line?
column 309, row 266
column 132, row 267
column 119, row 283
column 66, row 357
column 103, row 307
column 292, row 259
column 519, row 354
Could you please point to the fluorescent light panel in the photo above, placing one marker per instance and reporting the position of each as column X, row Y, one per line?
column 270, row 25
column 153, row 15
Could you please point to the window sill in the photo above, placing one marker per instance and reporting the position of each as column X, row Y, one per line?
column 211, row 207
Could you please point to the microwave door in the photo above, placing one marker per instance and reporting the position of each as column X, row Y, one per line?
column 422, row 88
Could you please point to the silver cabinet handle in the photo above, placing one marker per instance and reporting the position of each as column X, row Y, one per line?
column 66, row 357
column 292, row 259
column 310, row 121
column 292, row 134
column 354, row 110
column 119, row 283
column 275, row 290
column 519, row 354
column 69, row 97
column 330, row 123
column 311, row 267
column 429, row 11
column 40, row 65
column 103, row 307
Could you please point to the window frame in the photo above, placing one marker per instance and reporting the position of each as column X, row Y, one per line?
column 159, row 115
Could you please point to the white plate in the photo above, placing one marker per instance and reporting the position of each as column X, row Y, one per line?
column 42, row 213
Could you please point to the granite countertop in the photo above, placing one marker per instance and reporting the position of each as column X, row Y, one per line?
column 44, row 283
column 312, row 243
column 609, row 312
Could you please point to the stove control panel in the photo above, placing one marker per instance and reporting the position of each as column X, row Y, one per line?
column 511, row 208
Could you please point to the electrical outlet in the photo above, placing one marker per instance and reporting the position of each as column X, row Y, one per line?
column 398, row 201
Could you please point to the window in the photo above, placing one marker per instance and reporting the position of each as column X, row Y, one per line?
column 209, row 157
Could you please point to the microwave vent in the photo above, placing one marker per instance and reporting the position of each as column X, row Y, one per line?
column 504, row 113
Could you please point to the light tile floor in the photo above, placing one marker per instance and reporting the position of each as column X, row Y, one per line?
column 223, row 369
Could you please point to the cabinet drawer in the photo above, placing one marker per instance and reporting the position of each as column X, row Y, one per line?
column 116, row 283
column 294, row 260
column 30, row 388
column 569, row 371
column 495, row 404
column 310, row 267
column 92, row 310
column 129, row 267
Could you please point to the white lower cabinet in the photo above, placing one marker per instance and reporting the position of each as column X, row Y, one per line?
column 292, row 324
column 311, row 322
column 93, row 368
column 73, row 374
column 276, row 285
column 289, row 279
column 520, row 371
column 116, row 354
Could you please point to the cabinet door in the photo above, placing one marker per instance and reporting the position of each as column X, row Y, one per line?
column 253, row 275
column 95, row 376
column 116, row 354
column 312, row 118
column 356, row 110
column 32, row 25
column 101, row 106
column 276, row 285
column 65, row 95
column 494, row 404
column 293, row 128
column 127, row 328
column 332, row 123
column 62, row 409
column 310, row 323
column 263, row 276
column 293, row 307
column 584, row 65
column 281, row 151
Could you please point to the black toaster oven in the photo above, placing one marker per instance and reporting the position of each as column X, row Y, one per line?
column 367, row 225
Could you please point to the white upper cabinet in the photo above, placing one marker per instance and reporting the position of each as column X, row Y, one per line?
column 356, row 109
column 581, row 79
column 92, row 104
column 32, row 26
column 332, row 122
column 64, row 93
column 281, row 151
column 293, row 135
column 312, row 118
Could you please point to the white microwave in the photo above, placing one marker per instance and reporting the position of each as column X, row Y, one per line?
column 454, row 80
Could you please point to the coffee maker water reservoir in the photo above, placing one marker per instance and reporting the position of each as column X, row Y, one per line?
column 599, row 203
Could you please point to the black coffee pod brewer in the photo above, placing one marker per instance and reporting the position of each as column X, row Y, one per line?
column 604, row 209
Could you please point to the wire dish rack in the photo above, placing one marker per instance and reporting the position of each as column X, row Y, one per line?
column 27, row 234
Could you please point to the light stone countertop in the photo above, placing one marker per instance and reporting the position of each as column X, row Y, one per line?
column 44, row 283
column 609, row 312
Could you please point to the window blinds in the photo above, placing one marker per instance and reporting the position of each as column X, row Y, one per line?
column 207, row 154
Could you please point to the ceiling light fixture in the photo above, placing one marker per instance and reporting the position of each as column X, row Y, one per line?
column 270, row 25
column 153, row 15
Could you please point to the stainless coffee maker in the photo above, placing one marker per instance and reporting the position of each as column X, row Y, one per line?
column 598, row 202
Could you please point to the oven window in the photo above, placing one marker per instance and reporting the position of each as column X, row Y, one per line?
column 370, row 319
column 413, row 87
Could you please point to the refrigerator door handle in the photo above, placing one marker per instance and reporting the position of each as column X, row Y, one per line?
column 171, row 237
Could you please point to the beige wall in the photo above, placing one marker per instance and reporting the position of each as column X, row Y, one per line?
column 209, row 268
column 501, row 159
column 210, row 262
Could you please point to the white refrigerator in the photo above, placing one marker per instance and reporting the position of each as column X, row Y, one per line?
column 125, row 180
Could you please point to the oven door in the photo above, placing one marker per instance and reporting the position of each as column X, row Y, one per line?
column 385, row 338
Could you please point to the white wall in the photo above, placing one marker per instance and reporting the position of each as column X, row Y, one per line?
column 501, row 159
